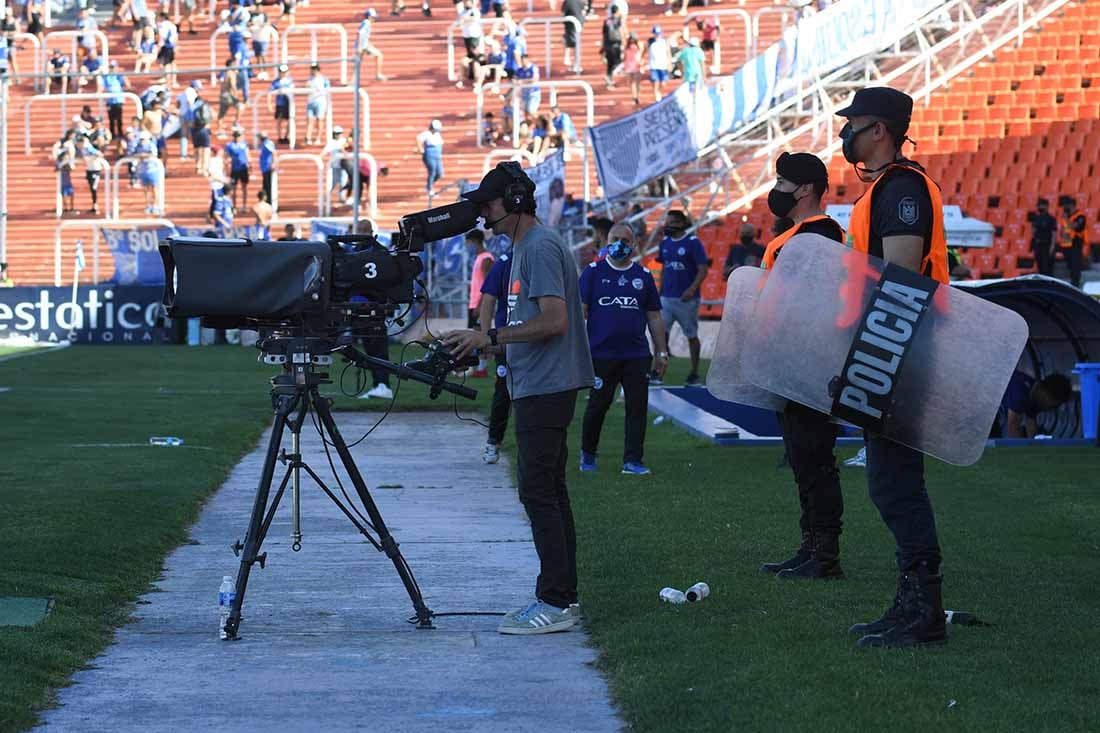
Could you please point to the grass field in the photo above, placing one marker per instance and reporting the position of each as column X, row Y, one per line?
column 89, row 527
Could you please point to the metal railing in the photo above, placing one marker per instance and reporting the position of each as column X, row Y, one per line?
column 313, row 29
column 743, row 15
column 372, row 194
column 292, row 123
column 283, row 158
column 64, row 98
column 785, row 15
column 548, row 22
column 39, row 58
column 487, row 161
column 214, row 51
column 553, row 86
column 95, row 225
column 103, row 50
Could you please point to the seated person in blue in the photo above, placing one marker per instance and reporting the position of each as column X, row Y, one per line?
column 1026, row 397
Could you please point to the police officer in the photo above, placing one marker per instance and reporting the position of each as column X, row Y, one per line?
column 900, row 219
column 1071, row 239
column 685, row 264
column 809, row 437
column 1043, row 227
column 620, row 301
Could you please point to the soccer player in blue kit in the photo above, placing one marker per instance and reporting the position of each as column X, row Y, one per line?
column 685, row 264
column 620, row 301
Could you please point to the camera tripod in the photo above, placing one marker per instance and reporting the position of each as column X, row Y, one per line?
column 294, row 394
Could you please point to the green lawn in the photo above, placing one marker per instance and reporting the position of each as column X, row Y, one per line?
column 89, row 527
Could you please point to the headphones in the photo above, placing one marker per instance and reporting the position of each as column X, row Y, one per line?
column 520, row 192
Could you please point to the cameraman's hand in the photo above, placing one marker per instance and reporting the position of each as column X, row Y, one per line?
column 464, row 342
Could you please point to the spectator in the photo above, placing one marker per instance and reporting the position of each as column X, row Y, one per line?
column 339, row 164
column 479, row 270
column 278, row 102
column 264, row 213
column 1072, row 237
column 240, row 164
column 133, row 138
column 633, row 66
column 620, row 303
column 215, row 174
column 263, row 35
column 366, row 178
column 710, row 28
column 9, row 27
column 229, row 95
column 35, row 10
column 185, row 105
column 490, row 130
column 267, row 162
column 571, row 9
column 235, row 34
column 429, row 144
column 515, row 47
column 1025, row 398
column 122, row 9
column 683, row 7
column 530, row 93
column 202, row 117
column 469, row 21
column 146, row 50
column 563, row 132
column 115, row 84
column 289, row 234
column 692, row 64
column 494, row 60
column 289, row 8
column 685, row 266
column 86, row 25
column 142, row 19
column 64, row 157
column 95, row 165
column 90, row 69
column 150, row 172
column 223, row 212
column 660, row 62
column 747, row 251
column 538, row 141
column 364, row 45
column 57, row 69
column 316, row 104
column 601, row 228
column 612, row 46
column 152, row 121
column 98, row 135
column 189, row 16
column 166, row 55
column 1043, row 239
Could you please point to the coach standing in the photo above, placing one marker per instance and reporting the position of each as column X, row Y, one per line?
column 620, row 302
column 548, row 361
column 685, row 266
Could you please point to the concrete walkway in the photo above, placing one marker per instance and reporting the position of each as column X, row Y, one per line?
column 324, row 641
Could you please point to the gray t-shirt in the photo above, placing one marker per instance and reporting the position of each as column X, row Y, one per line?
column 543, row 266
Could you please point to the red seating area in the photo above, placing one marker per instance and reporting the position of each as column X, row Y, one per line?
column 417, row 91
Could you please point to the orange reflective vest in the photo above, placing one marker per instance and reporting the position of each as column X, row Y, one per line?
column 934, row 264
column 1068, row 233
column 776, row 244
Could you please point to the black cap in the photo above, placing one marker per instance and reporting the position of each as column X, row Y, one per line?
column 494, row 183
column 801, row 168
column 884, row 102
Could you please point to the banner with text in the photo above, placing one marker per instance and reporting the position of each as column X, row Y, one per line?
column 99, row 314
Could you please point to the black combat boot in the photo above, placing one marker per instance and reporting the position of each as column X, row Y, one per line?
column 824, row 562
column 922, row 618
column 801, row 555
column 886, row 621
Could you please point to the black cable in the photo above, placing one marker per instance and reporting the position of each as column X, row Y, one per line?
column 466, row 419
column 335, row 474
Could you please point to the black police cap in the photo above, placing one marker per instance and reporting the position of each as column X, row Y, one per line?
column 884, row 102
column 801, row 168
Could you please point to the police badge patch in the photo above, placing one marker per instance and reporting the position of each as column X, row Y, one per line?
column 908, row 211
column 597, row 383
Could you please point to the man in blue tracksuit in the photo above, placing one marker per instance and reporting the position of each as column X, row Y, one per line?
column 620, row 301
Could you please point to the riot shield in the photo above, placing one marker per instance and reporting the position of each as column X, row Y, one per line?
column 881, row 347
column 726, row 378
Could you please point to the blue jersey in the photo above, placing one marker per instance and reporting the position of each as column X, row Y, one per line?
column 496, row 285
column 238, row 155
column 267, row 156
column 514, row 46
column 223, row 208
column 112, row 84
column 618, row 303
column 681, row 259
column 283, row 82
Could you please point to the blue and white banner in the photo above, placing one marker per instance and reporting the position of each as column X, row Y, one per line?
column 98, row 314
column 549, row 179
column 136, row 256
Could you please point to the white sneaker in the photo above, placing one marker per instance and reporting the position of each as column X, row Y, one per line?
column 491, row 454
column 380, row 391
column 859, row 460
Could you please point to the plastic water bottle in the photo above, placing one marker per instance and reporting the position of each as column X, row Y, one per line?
column 226, row 594
column 671, row 595
column 168, row 440
column 697, row 592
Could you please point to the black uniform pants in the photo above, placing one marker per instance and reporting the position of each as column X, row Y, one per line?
column 895, row 481
column 1073, row 262
column 379, row 348
column 632, row 374
column 542, row 424
column 1044, row 259
column 810, row 438
column 267, row 186
column 501, row 405
column 114, row 121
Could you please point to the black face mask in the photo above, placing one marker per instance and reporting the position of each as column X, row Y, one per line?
column 781, row 202
column 848, row 138
column 747, row 239
column 672, row 231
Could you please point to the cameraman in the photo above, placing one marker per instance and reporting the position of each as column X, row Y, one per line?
column 548, row 361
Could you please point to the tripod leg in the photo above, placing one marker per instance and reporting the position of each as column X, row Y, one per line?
column 257, row 527
column 385, row 539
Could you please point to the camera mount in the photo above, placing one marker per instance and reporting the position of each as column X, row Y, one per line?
column 294, row 394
